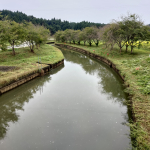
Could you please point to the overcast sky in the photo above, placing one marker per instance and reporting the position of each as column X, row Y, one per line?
column 100, row 11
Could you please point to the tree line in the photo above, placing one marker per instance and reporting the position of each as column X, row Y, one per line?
column 53, row 25
column 13, row 33
column 129, row 31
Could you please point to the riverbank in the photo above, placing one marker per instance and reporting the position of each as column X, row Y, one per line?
column 134, row 70
column 71, row 105
column 27, row 65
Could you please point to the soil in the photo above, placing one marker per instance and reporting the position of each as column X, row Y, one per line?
column 7, row 68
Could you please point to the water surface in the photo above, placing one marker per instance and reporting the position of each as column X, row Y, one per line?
column 78, row 107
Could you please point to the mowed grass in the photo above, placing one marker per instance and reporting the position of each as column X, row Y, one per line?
column 25, row 62
column 136, row 70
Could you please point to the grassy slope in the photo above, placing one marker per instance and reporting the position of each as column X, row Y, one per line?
column 136, row 69
column 26, row 62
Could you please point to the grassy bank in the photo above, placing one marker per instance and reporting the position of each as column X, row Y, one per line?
column 136, row 70
column 25, row 62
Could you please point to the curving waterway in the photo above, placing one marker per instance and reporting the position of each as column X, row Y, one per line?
column 79, row 106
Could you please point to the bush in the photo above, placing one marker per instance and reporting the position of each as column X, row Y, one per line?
column 3, row 47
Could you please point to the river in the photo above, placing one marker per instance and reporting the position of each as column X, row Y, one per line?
column 78, row 106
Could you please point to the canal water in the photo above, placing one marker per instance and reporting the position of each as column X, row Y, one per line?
column 79, row 106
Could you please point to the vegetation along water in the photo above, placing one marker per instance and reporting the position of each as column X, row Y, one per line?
column 124, row 42
column 77, row 106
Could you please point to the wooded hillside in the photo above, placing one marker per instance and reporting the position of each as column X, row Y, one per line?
column 53, row 25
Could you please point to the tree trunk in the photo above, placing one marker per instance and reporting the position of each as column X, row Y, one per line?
column 32, row 46
column 120, row 50
column 90, row 43
column 79, row 42
column 13, row 49
column 84, row 43
column 97, row 43
column 32, row 50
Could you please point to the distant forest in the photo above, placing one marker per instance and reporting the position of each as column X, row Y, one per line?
column 53, row 25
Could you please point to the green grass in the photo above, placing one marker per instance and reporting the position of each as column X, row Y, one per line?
column 25, row 62
column 136, row 70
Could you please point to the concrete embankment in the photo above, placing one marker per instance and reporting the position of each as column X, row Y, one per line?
column 30, row 77
column 102, row 59
column 99, row 58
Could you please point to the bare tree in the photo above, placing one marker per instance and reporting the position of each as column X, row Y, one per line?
column 107, row 36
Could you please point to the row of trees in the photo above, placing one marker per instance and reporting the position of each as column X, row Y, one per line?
column 53, row 25
column 13, row 33
column 88, row 34
column 128, row 31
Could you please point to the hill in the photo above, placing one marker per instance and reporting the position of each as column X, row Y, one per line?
column 53, row 25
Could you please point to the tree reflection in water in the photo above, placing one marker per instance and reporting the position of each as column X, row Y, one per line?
column 10, row 104
column 109, row 81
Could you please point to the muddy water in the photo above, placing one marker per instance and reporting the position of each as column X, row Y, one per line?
column 78, row 107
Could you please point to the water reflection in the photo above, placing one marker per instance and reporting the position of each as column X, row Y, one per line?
column 15, row 100
column 81, row 107
column 109, row 81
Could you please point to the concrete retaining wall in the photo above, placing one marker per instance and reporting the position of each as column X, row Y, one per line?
column 30, row 77
column 103, row 59
column 100, row 58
